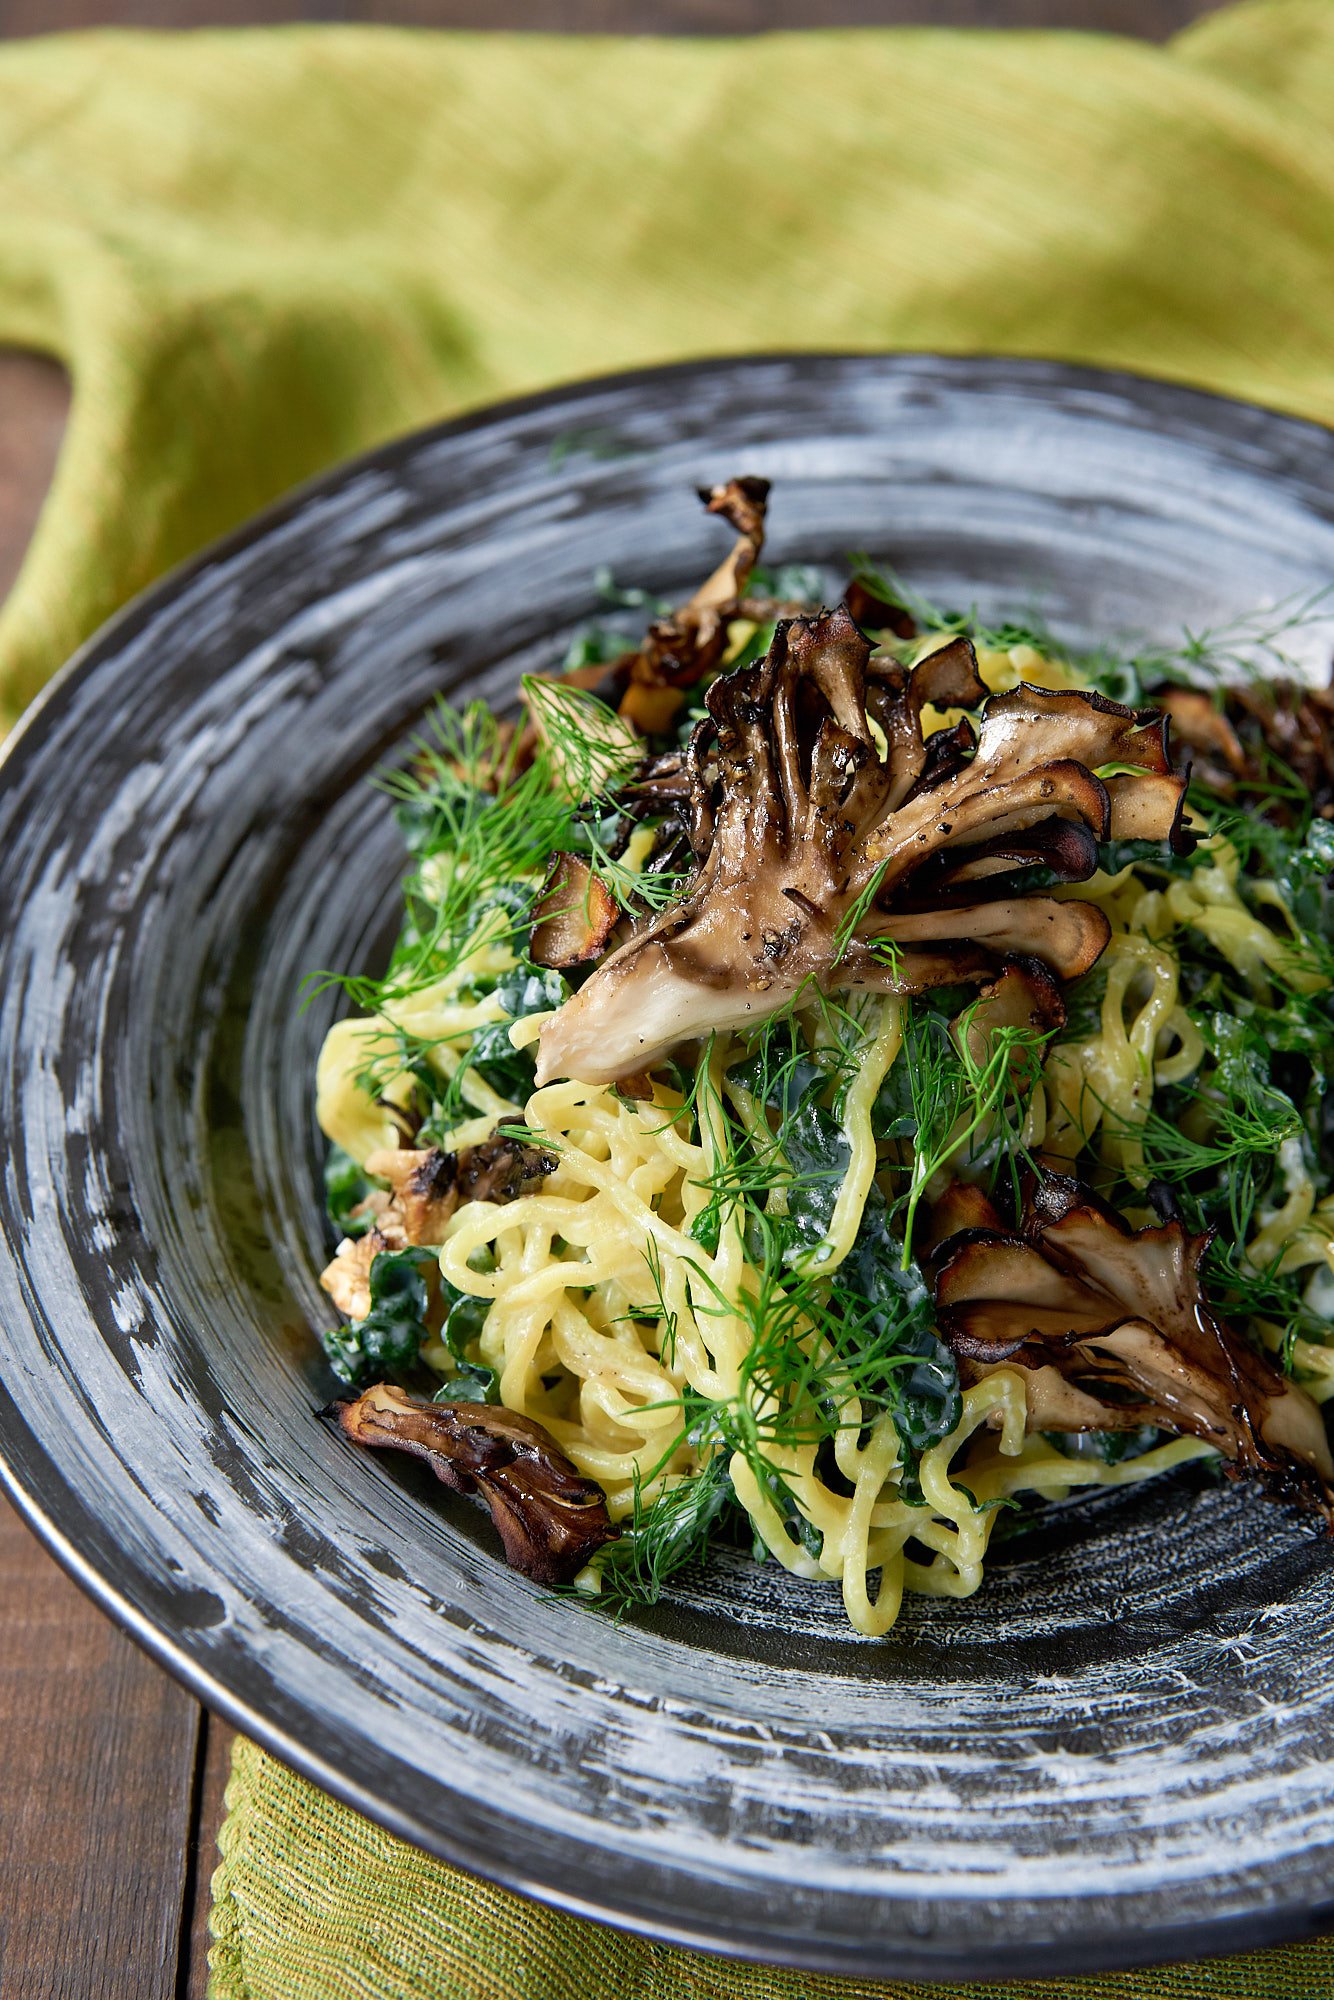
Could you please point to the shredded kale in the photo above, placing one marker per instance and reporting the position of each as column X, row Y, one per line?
column 528, row 989
column 388, row 1341
column 471, row 1381
column 345, row 1188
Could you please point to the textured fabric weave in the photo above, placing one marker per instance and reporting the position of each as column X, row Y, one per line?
column 312, row 1903
column 259, row 252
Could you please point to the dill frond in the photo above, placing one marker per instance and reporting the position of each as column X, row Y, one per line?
column 663, row 1536
column 958, row 1100
column 590, row 750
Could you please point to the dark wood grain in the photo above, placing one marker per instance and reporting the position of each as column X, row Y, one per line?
column 214, row 1769
column 1150, row 19
column 98, row 1750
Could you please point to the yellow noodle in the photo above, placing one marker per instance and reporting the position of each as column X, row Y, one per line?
column 605, row 1308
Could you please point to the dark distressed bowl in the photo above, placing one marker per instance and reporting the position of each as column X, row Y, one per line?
column 1123, row 1749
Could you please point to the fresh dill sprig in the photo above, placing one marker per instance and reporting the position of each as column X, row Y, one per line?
column 809, row 1370
column 824, row 1351
column 1215, row 1146
column 590, row 749
column 664, row 1535
column 480, row 833
column 1242, row 1132
column 603, row 837
column 1219, row 1173
column 804, row 1365
column 780, row 1181
column 1247, row 647
column 961, row 1095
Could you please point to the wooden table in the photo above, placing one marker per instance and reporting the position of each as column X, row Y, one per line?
column 113, row 1775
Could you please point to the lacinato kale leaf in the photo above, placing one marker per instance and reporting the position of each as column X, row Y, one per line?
column 471, row 1381
column 345, row 1188
column 527, row 989
column 387, row 1342
column 925, row 1398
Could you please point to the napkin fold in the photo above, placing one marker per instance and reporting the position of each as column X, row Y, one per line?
column 258, row 252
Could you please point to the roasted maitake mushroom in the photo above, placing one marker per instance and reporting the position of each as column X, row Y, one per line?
column 1114, row 1331
column 687, row 644
column 573, row 916
column 550, row 1517
column 1235, row 745
column 425, row 1187
column 837, row 846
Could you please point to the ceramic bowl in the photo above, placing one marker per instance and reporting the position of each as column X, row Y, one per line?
column 1122, row 1748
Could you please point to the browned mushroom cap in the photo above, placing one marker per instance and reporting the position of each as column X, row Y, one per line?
column 1235, row 746
column 961, row 1207
column 550, row 1517
column 1206, row 731
column 501, row 1168
column 680, row 649
column 834, row 850
column 426, row 1185
column 1116, row 1331
column 573, row 916
column 895, row 697
column 1025, row 1000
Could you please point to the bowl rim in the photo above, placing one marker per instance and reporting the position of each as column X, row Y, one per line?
column 1102, row 1951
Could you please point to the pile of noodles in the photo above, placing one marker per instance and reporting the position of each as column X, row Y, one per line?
column 605, row 1308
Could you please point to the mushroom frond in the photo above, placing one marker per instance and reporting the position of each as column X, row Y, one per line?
column 1115, row 1331
column 837, row 846
column 550, row 1517
column 680, row 648
column 425, row 1186
column 573, row 916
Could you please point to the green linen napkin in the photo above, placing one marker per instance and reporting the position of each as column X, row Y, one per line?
column 312, row 1903
column 258, row 252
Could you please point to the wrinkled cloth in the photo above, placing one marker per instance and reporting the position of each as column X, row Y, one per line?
column 313, row 1903
column 259, row 252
